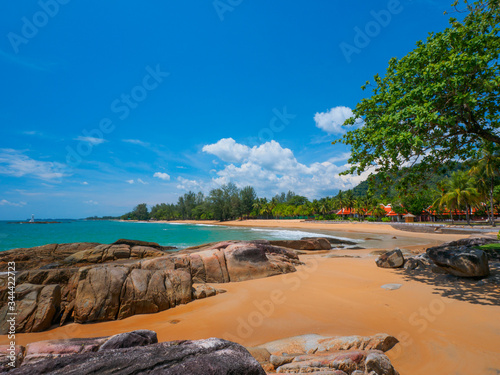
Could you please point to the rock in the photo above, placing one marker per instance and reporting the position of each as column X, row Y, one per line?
column 262, row 355
column 11, row 356
column 205, row 290
column 98, row 294
column 332, row 240
column 391, row 286
column 460, row 260
column 391, row 259
column 312, row 343
column 130, row 339
column 36, row 308
column 133, row 243
column 36, row 257
column 379, row 363
column 279, row 360
column 118, row 281
column 309, row 243
column 211, row 356
column 414, row 263
column 49, row 349
column 340, row 362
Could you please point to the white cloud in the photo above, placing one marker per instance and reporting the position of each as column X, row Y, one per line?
column 136, row 142
column 141, row 181
column 162, row 176
column 185, row 184
column 85, row 183
column 92, row 140
column 15, row 163
column 332, row 120
column 271, row 168
column 130, row 181
column 91, row 202
column 228, row 150
column 5, row 202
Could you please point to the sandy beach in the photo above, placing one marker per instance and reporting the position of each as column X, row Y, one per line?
column 333, row 296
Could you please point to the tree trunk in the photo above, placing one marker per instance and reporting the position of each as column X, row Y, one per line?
column 467, row 215
column 492, row 213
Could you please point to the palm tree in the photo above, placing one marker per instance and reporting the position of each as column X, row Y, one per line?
column 460, row 193
column 486, row 170
column 349, row 200
column 341, row 201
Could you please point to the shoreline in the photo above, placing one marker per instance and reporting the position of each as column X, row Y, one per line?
column 354, row 227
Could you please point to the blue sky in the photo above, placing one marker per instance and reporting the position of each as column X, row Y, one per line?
column 107, row 105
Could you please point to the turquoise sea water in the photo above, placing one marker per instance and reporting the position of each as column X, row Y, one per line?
column 172, row 234
column 167, row 234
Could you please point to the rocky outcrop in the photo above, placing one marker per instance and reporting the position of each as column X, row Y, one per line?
column 315, row 343
column 353, row 355
column 123, row 281
column 82, row 253
column 460, row 261
column 40, row 256
column 391, row 259
column 37, row 306
column 229, row 262
column 124, row 357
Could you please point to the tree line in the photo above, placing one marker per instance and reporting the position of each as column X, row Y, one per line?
column 473, row 188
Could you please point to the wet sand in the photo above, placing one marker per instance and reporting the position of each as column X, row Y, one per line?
column 332, row 296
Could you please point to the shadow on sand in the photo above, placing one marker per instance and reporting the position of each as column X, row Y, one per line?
column 481, row 292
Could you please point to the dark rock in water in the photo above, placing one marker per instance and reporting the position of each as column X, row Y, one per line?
column 391, row 259
column 132, row 243
column 204, row 357
column 332, row 240
column 306, row 243
column 461, row 261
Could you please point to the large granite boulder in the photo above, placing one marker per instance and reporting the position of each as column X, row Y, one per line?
column 461, row 261
column 353, row 355
column 391, row 259
column 238, row 261
column 36, row 308
column 316, row 343
column 204, row 357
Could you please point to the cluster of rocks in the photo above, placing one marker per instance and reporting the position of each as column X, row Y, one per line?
column 352, row 355
column 139, row 352
column 136, row 352
column 462, row 258
column 88, row 282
